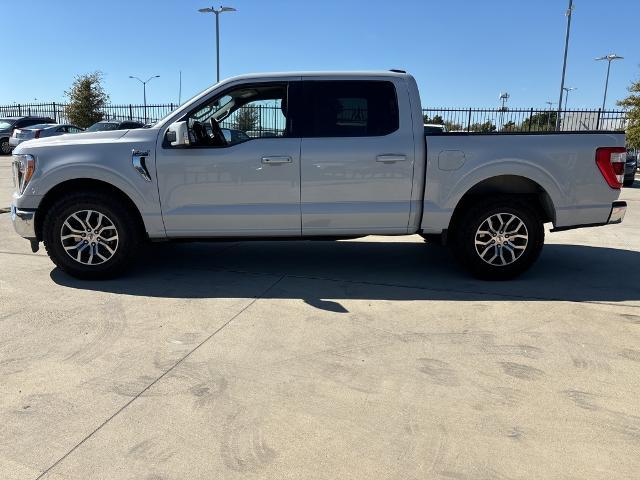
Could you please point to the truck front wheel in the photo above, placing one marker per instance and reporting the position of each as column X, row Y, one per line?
column 498, row 239
column 90, row 235
column 5, row 148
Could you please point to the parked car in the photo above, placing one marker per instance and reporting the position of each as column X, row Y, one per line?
column 9, row 124
column 40, row 131
column 106, row 125
column 351, row 161
column 630, row 167
column 431, row 128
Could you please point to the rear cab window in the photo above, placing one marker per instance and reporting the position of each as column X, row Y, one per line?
column 350, row 108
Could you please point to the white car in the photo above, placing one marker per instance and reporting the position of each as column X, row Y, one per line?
column 352, row 160
column 40, row 131
column 431, row 128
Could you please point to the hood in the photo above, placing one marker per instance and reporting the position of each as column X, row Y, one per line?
column 89, row 138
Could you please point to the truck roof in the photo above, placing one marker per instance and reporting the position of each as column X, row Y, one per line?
column 328, row 73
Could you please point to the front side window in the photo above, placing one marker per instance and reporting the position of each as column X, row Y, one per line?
column 241, row 114
column 350, row 108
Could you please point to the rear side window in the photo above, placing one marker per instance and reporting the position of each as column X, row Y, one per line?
column 350, row 109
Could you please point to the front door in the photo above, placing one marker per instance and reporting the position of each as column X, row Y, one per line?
column 240, row 175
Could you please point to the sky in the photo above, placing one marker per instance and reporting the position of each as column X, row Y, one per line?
column 463, row 53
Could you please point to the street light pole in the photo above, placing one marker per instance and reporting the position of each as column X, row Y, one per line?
column 610, row 58
column 503, row 97
column 144, row 91
column 217, row 12
column 550, row 103
column 564, row 64
column 566, row 98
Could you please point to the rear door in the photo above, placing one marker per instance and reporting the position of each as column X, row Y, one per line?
column 357, row 157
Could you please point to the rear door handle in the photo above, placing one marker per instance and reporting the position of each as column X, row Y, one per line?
column 391, row 158
column 276, row 160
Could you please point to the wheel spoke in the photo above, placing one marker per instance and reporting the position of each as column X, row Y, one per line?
column 108, row 248
column 517, row 229
column 80, row 251
column 67, row 248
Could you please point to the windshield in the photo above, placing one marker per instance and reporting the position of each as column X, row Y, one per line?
column 103, row 127
column 6, row 124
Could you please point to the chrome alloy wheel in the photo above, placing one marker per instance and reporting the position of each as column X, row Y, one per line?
column 501, row 239
column 89, row 237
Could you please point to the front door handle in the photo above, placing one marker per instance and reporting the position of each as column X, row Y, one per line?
column 391, row 158
column 276, row 160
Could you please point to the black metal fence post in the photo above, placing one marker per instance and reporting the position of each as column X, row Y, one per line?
column 598, row 121
column 469, row 122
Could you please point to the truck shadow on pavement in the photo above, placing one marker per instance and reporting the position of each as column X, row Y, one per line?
column 318, row 271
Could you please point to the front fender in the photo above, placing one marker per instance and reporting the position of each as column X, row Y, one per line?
column 109, row 163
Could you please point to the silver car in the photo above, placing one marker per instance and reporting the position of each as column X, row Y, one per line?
column 39, row 131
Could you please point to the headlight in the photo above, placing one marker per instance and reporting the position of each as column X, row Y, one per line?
column 23, row 168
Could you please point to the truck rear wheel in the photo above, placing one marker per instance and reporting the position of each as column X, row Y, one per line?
column 91, row 236
column 498, row 239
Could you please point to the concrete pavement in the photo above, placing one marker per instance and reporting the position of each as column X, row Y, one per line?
column 372, row 358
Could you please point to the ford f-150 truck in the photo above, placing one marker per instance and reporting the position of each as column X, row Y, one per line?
column 345, row 155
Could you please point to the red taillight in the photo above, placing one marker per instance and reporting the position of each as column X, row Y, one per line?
column 38, row 134
column 610, row 161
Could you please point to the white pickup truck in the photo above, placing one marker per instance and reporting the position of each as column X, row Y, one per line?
column 345, row 156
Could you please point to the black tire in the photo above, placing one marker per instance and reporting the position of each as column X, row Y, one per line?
column 628, row 182
column 519, row 253
column 129, row 235
column 5, row 148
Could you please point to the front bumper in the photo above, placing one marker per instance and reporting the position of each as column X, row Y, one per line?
column 24, row 222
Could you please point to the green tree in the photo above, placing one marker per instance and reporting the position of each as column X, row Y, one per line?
column 539, row 122
column 247, row 119
column 485, row 127
column 452, row 126
column 86, row 100
column 632, row 105
column 436, row 120
column 510, row 126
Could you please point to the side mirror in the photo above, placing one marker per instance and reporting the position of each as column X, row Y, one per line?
column 178, row 134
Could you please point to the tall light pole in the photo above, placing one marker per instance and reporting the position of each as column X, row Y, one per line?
column 217, row 12
column 569, row 13
column 144, row 90
column 504, row 97
column 550, row 103
column 566, row 98
column 610, row 58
